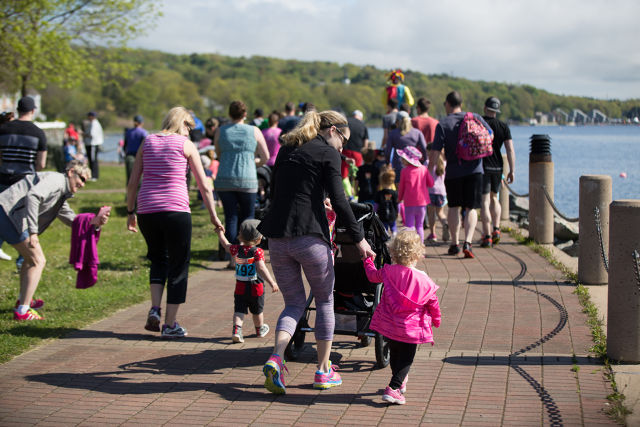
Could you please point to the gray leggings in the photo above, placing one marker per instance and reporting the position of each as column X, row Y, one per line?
column 312, row 254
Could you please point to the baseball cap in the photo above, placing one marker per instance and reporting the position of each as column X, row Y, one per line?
column 138, row 118
column 402, row 115
column 249, row 230
column 92, row 114
column 26, row 104
column 493, row 104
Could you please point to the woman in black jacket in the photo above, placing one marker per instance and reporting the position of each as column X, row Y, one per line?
column 306, row 170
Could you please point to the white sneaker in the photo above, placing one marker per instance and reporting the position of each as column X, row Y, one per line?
column 5, row 256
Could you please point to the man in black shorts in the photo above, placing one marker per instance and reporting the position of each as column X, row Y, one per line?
column 492, row 180
column 463, row 179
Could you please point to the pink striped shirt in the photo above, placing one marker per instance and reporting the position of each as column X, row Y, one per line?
column 164, row 168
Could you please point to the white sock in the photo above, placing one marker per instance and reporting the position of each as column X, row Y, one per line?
column 22, row 309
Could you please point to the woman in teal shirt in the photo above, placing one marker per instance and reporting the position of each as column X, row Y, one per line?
column 237, row 183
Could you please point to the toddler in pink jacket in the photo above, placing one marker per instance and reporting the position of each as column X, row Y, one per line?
column 408, row 307
column 413, row 189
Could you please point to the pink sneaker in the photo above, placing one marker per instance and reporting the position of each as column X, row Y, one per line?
column 274, row 372
column 31, row 314
column 325, row 380
column 393, row 396
column 35, row 304
column 403, row 387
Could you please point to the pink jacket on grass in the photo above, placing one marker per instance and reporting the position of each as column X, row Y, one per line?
column 84, row 250
column 408, row 306
column 413, row 188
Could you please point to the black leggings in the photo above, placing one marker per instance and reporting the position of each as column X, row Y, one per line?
column 168, row 237
column 401, row 357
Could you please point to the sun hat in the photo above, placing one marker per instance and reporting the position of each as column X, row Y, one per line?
column 411, row 155
column 492, row 104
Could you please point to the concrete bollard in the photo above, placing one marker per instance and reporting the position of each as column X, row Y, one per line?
column 504, row 193
column 540, row 174
column 595, row 191
column 623, row 320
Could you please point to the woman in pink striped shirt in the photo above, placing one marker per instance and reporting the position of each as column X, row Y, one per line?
column 164, row 215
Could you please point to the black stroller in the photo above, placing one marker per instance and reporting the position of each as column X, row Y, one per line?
column 355, row 298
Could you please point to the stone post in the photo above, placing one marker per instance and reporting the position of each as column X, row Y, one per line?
column 540, row 174
column 623, row 322
column 504, row 193
column 595, row 191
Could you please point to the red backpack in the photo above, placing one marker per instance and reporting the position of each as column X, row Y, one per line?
column 474, row 140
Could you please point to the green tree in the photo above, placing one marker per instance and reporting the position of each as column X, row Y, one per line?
column 50, row 41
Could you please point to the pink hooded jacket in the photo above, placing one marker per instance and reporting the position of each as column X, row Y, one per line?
column 84, row 250
column 408, row 306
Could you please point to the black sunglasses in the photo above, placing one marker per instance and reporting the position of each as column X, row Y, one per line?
column 82, row 178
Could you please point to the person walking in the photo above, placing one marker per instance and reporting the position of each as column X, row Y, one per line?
column 405, row 135
column 413, row 189
column 133, row 138
column 307, row 168
column 236, row 183
column 423, row 122
column 272, row 138
column 161, row 209
column 407, row 310
column 93, row 138
column 463, row 180
column 492, row 179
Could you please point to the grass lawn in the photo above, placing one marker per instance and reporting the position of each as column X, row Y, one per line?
column 122, row 275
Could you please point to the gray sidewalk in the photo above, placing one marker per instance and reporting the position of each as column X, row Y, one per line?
column 513, row 349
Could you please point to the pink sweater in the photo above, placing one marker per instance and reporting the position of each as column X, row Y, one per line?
column 413, row 188
column 408, row 306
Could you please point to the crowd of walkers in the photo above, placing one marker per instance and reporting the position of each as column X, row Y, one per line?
column 317, row 163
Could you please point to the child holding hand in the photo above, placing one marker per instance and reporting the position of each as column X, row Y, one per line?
column 407, row 310
column 250, row 271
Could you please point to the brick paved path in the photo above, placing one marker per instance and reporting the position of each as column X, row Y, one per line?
column 512, row 339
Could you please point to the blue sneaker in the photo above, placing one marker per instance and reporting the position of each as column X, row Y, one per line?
column 273, row 370
column 324, row 380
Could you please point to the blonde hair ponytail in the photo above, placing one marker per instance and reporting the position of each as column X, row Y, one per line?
column 311, row 123
column 405, row 126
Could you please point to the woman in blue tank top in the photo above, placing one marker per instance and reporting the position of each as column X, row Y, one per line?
column 237, row 183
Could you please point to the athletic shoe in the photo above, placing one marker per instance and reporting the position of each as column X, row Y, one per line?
column 175, row 331
column 445, row 233
column 5, row 256
column 36, row 304
column 262, row 331
column 273, row 371
column 393, row 396
column 153, row 320
column 466, row 249
column 486, row 242
column 495, row 236
column 237, row 334
column 403, row 387
column 31, row 314
column 325, row 380
column 454, row 250
column 432, row 238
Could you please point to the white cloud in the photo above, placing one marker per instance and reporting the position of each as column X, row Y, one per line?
column 570, row 47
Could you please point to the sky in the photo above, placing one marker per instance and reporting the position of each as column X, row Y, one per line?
column 567, row 47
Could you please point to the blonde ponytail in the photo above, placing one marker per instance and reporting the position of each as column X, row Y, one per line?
column 405, row 126
column 309, row 126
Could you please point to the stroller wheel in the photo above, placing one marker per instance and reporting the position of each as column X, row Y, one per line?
column 295, row 346
column 365, row 341
column 382, row 351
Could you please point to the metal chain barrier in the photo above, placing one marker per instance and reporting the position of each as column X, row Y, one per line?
column 504, row 181
column 596, row 217
column 636, row 266
column 555, row 209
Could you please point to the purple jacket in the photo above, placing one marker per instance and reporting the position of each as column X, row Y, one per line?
column 408, row 306
column 84, row 250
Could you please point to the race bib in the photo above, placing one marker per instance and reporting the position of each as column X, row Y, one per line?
column 245, row 269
